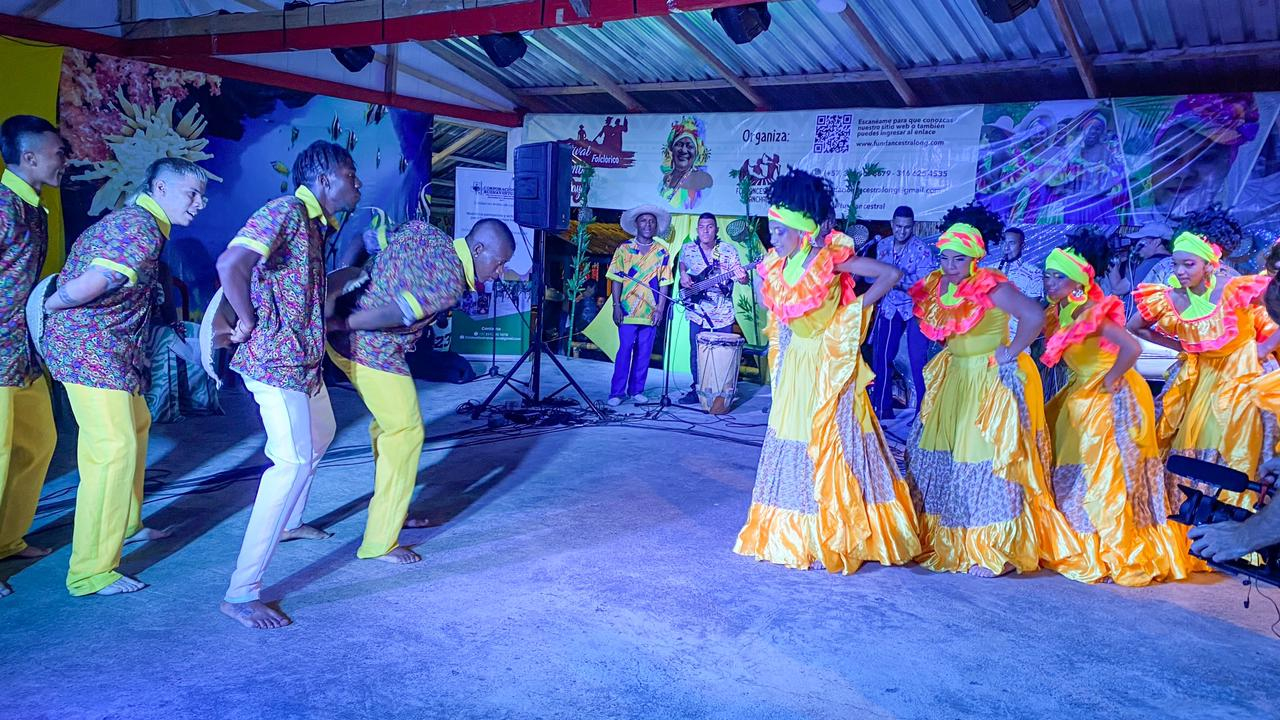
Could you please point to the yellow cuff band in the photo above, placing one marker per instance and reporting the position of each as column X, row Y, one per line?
column 255, row 245
column 124, row 270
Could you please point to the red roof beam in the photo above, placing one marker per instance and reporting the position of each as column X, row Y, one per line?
column 323, row 26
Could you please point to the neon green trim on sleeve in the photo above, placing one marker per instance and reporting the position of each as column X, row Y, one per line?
column 124, row 270
column 418, row 312
column 255, row 245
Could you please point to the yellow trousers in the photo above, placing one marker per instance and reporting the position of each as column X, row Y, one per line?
column 396, row 433
column 27, row 439
column 112, row 455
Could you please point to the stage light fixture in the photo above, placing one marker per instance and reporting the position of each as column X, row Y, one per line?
column 742, row 23
column 504, row 48
column 1003, row 11
column 353, row 59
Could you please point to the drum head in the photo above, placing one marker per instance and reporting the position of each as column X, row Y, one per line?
column 348, row 281
column 35, row 311
column 215, row 336
column 719, row 338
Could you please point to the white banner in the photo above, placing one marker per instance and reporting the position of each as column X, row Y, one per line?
column 691, row 163
column 495, row 318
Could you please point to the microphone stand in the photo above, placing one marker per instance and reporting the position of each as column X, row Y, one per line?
column 665, row 401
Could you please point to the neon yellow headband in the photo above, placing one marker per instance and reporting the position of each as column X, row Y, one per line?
column 793, row 219
column 964, row 239
column 1189, row 242
column 1071, row 264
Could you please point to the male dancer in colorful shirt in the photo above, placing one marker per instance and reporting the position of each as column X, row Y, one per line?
column 95, row 344
column 273, row 276
column 421, row 272
column 35, row 155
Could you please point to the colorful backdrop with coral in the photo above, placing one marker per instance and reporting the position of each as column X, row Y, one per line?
column 119, row 115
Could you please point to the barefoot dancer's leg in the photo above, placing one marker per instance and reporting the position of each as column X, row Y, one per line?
column 27, row 439
column 399, row 556
column 107, row 455
column 396, row 433
column 124, row 585
column 255, row 615
column 299, row 429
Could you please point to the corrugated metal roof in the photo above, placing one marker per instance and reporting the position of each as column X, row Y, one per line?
column 918, row 35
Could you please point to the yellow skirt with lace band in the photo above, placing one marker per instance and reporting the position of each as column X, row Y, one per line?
column 979, row 459
column 827, row 490
column 1108, row 479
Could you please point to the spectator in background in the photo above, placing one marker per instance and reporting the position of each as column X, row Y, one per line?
column 915, row 258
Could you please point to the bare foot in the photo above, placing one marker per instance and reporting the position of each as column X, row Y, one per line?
column 31, row 551
column 305, row 532
column 979, row 571
column 125, row 584
column 399, row 556
column 147, row 534
column 5, row 589
column 255, row 615
column 418, row 522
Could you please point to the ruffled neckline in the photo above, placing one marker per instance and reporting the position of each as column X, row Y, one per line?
column 1211, row 332
column 1085, row 325
column 939, row 321
column 788, row 302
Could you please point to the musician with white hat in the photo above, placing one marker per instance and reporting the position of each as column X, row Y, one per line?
column 640, row 276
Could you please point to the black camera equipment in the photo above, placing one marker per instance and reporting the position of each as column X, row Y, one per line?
column 1201, row 508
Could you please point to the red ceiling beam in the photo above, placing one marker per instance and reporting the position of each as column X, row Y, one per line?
column 278, row 36
column 94, row 42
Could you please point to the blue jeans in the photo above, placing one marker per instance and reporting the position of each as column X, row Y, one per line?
column 886, row 334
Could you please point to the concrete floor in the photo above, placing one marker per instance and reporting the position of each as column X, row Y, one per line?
column 583, row 573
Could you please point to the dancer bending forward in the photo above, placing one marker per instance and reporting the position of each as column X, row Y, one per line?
column 827, row 491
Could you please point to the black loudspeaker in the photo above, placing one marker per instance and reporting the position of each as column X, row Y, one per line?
column 543, row 173
column 354, row 59
column 1002, row 11
column 503, row 49
column 744, row 22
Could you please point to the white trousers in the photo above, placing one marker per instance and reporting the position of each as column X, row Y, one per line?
column 299, row 430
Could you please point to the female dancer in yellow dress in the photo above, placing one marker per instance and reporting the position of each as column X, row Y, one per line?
column 1208, row 409
column 1108, row 480
column 979, row 455
column 827, row 490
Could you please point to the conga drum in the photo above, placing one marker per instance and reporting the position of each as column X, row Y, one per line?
column 719, row 355
column 35, row 311
column 216, row 326
column 219, row 320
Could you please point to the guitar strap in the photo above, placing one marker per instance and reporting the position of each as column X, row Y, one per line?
column 705, row 260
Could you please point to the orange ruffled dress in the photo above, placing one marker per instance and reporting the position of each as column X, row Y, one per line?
column 827, row 492
column 1108, row 479
column 1209, row 408
column 979, row 456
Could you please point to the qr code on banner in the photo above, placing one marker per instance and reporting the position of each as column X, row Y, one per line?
column 831, row 135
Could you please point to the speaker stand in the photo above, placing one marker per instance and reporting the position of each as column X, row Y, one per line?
column 537, row 347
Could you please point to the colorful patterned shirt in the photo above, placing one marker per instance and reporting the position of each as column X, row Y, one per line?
column 916, row 260
column 24, row 239
column 641, row 275
column 287, row 291
column 422, row 271
column 714, row 309
column 102, row 344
